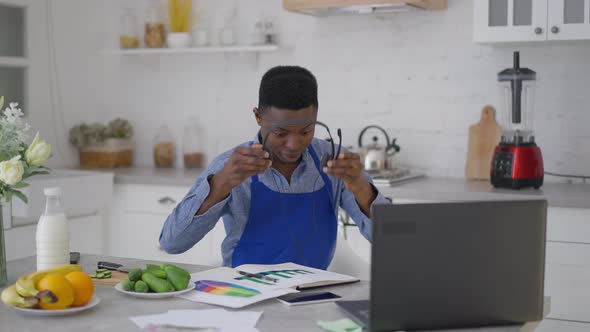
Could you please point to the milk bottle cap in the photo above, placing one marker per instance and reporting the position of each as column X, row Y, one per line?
column 52, row 191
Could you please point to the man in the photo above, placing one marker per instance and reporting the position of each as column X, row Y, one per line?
column 278, row 205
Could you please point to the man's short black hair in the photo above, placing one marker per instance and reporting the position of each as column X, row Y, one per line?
column 288, row 87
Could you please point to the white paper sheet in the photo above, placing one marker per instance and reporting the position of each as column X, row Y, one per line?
column 210, row 318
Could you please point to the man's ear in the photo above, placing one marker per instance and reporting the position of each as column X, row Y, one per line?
column 257, row 116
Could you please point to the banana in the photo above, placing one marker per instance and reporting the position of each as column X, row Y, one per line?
column 12, row 298
column 25, row 285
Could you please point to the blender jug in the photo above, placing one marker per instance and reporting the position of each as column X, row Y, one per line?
column 517, row 91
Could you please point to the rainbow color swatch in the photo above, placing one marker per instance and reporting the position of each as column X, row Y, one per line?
column 224, row 288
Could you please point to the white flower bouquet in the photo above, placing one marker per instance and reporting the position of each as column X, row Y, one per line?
column 18, row 161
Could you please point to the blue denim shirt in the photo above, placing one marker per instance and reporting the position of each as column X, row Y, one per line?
column 183, row 228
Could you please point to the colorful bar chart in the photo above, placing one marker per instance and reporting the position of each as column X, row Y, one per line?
column 224, row 288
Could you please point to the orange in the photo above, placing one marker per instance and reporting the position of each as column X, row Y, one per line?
column 61, row 287
column 83, row 287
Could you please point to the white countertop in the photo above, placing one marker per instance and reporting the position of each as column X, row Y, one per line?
column 155, row 176
column 438, row 189
column 450, row 189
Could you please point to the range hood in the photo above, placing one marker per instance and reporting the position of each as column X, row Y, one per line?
column 355, row 7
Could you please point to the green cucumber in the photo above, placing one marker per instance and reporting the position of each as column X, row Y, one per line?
column 135, row 274
column 141, row 287
column 156, row 284
column 128, row 285
column 158, row 273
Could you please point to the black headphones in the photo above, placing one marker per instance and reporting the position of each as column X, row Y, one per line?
column 326, row 157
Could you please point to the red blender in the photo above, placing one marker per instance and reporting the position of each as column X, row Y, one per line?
column 517, row 161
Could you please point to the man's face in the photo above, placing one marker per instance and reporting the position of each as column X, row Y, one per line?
column 288, row 143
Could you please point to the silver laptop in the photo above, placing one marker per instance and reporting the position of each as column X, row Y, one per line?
column 449, row 265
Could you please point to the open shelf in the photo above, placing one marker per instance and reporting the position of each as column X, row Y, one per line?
column 208, row 49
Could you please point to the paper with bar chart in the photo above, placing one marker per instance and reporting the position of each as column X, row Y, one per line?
column 248, row 284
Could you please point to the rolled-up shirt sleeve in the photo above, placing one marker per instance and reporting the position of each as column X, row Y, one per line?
column 183, row 228
column 350, row 205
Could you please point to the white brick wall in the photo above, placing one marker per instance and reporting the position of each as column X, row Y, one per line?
column 418, row 74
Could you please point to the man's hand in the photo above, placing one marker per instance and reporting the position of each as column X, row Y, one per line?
column 348, row 168
column 244, row 162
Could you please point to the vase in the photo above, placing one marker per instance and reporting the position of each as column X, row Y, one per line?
column 3, row 275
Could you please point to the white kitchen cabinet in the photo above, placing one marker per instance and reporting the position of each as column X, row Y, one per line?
column 137, row 217
column 87, row 234
column 530, row 20
column 568, row 225
column 567, row 263
column 568, row 19
column 567, row 280
column 86, row 237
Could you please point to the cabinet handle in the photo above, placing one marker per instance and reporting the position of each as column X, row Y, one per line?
column 166, row 200
column 538, row 30
column 554, row 29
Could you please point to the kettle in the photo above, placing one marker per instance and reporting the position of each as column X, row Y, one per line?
column 377, row 157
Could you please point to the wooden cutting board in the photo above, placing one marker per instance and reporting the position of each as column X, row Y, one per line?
column 115, row 278
column 483, row 138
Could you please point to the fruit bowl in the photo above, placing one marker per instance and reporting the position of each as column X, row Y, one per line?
column 60, row 312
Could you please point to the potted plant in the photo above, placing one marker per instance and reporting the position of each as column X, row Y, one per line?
column 103, row 146
column 18, row 161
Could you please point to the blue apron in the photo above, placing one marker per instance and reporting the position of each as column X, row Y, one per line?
column 283, row 227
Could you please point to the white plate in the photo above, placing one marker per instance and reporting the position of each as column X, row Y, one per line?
column 119, row 288
column 59, row 312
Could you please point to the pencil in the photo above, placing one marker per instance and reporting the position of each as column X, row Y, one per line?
column 257, row 276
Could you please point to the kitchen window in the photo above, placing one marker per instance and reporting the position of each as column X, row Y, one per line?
column 14, row 61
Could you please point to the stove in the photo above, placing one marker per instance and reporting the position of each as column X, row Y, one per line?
column 391, row 177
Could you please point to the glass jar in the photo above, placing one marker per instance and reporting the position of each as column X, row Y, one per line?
column 227, row 32
column 200, row 31
column 257, row 36
column 269, row 32
column 129, row 37
column 191, row 145
column 164, row 148
column 155, row 33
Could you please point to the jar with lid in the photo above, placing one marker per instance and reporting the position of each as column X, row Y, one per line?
column 129, row 36
column 155, row 33
column 269, row 31
column 227, row 32
column 192, row 144
column 200, row 31
column 164, row 148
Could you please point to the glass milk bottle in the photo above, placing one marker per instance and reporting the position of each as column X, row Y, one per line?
column 53, row 239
